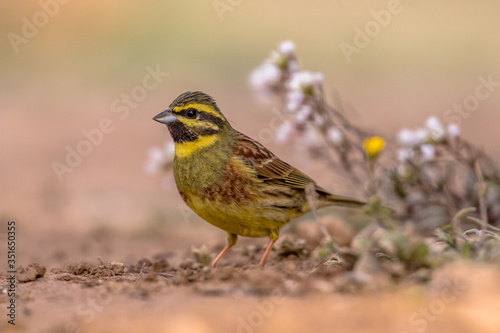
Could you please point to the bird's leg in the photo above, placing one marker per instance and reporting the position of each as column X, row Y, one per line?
column 231, row 240
column 272, row 241
column 266, row 253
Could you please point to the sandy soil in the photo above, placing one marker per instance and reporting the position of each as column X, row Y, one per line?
column 295, row 292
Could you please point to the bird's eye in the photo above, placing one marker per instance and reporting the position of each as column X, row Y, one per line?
column 191, row 113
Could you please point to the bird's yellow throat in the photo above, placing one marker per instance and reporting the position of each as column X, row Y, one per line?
column 187, row 148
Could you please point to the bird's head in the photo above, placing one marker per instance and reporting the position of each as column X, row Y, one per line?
column 192, row 116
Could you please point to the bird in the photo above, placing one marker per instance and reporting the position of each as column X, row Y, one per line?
column 231, row 180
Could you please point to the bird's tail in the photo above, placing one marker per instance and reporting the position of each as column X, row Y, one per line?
column 323, row 198
column 338, row 200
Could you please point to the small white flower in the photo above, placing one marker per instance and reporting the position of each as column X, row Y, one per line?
column 303, row 114
column 405, row 154
column 428, row 151
column 406, row 137
column 264, row 76
column 294, row 99
column 312, row 138
column 293, row 65
column 438, row 134
column 154, row 161
column 437, row 131
column 287, row 47
column 158, row 158
column 169, row 149
column 274, row 58
column 263, row 79
column 284, row 132
column 409, row 138
column 319, row 119
column 301, row 80
column 453, row 130
column 319, row 78
column 335, row 136
column 433, row 123
column 421, row 135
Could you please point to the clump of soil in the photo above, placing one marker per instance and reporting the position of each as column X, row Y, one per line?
column 31, row 272
column 88, row 269
column 85, row 272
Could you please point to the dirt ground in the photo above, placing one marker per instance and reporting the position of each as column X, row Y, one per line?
column 293, row 293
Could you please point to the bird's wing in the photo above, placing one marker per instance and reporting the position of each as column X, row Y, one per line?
column 271, row 169
column 268, row 166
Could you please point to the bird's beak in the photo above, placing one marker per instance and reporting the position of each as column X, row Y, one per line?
column 165, row 117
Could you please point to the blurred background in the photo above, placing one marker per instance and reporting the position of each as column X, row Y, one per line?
column 66, row 67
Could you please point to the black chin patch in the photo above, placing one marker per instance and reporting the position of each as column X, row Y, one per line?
column 180, row 133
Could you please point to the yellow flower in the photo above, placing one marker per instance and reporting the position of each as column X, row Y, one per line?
column 373, row 146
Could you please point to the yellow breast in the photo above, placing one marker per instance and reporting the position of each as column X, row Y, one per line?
column 236, row 204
